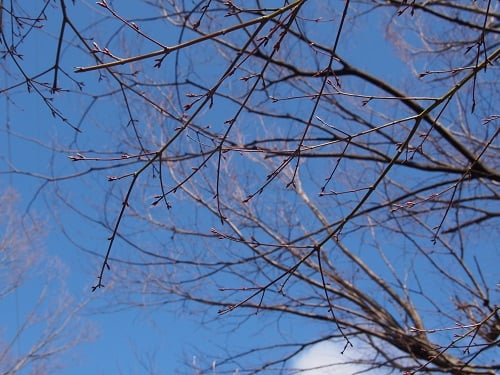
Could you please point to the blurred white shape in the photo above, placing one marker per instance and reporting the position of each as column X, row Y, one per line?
column 325, row 358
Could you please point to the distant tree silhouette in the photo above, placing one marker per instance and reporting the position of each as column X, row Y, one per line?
column 35, row 334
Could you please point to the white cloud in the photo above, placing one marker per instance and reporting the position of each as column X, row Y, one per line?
column 325, row 358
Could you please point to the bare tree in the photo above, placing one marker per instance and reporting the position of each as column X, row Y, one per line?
column 331, row 162
column 39, row 319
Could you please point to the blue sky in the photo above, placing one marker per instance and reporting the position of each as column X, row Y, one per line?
column 123, row 337
column 120, row 339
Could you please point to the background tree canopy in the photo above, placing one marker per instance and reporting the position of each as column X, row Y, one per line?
column 326, row 166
